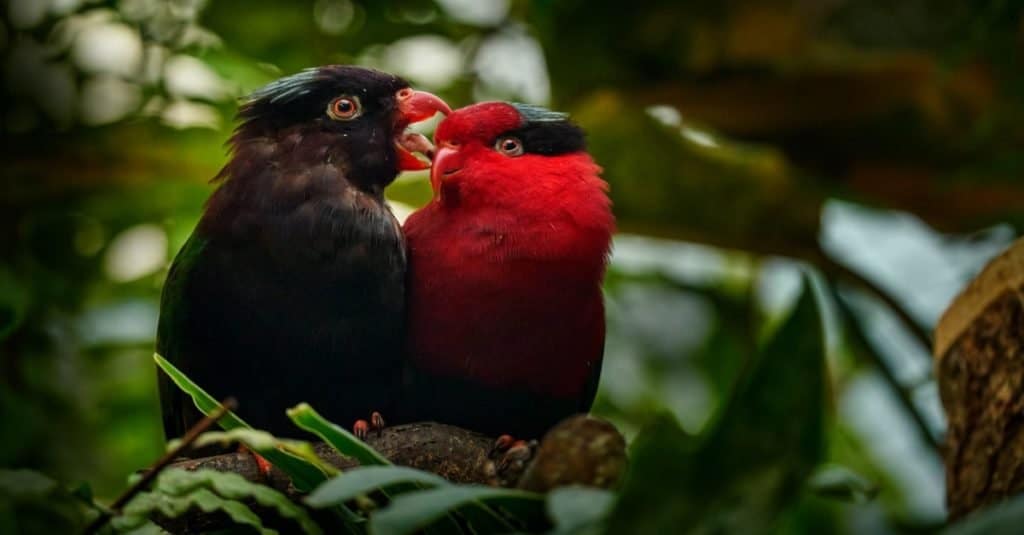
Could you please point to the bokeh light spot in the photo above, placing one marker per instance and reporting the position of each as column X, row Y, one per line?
column 428, row 60
column 106, row 99
column 333, row 17
column 136, row 252
column 476, row 12
column 110, row 48
column 188, row 77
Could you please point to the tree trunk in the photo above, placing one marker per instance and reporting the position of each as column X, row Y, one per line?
column 979, row 351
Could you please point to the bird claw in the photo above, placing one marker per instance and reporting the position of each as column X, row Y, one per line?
column 361, row 429
column 517, row 456
column 514, row 454
column 501, row 445
column 262, row 465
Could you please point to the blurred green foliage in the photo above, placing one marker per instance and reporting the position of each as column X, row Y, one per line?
column 755, row 456
column 728, row 129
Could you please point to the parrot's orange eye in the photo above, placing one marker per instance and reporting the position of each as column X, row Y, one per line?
column 344, row 108
column 509, row 146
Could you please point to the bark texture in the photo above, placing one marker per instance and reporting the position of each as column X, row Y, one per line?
column 454, row 453
column 979, row 351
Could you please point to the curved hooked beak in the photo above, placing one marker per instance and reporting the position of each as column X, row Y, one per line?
column 446, row 163
column 413, row 107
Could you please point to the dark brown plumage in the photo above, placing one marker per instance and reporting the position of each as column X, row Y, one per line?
column 292, row 287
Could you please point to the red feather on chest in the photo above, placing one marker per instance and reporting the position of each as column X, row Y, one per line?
column 505, row 275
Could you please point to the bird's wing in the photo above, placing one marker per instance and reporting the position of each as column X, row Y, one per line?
column 178, row 411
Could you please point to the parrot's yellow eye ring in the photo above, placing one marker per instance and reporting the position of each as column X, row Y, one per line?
column 344, row 108
column 509, row 146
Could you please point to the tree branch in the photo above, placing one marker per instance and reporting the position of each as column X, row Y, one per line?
column 582, row 450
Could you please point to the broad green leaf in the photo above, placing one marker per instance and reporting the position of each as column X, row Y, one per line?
column 1004, row 518
column 234, row 487
column 257, row 440
column 147, row 528
column 757, row 454
column 305, row 476
column 841, row 483
column 204, row 402
column 25, row 483
column 389, row 480
column 35, row 503
column 147, row 504
column 577, row 509
column 858, row 339
column 363, row 480
column 300, row 462
column 346, row 443
column 487, row 510
column 252, row 438
column 656, row 492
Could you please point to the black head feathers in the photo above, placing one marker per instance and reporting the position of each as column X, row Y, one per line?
column 288, row 125
column 547, row 132
column 287, row 89
column 304, row 96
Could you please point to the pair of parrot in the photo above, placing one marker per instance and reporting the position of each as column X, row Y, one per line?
column 298, row 284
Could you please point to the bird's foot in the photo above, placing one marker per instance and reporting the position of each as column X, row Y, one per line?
column 511, row 455
column 361, row 429
column 262, row 464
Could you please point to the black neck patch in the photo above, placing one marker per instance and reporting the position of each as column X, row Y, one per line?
column 547, row 132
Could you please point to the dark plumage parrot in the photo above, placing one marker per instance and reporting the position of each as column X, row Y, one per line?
column 291, row 288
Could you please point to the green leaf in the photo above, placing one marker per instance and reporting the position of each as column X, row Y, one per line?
column 757, row 454
column 253, row 438
column 203, row 401
column 656, row 492
column 486, row 509
column 578, row 509
column 147, row 504
column 364, row 480
column 21, row 484
column 31, row 502
column 305, row 469
column 304, row 475
column 147, row 528
column 841, row 483
column 257, row 440
column 341, row 440
column 176, row 482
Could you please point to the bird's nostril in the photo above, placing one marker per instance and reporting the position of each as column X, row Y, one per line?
column 405, row 93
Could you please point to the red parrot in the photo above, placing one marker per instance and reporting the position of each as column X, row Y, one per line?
column 505, row 310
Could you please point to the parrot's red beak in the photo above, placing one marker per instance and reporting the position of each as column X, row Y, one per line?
column 413, row 107
column 446, row 162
